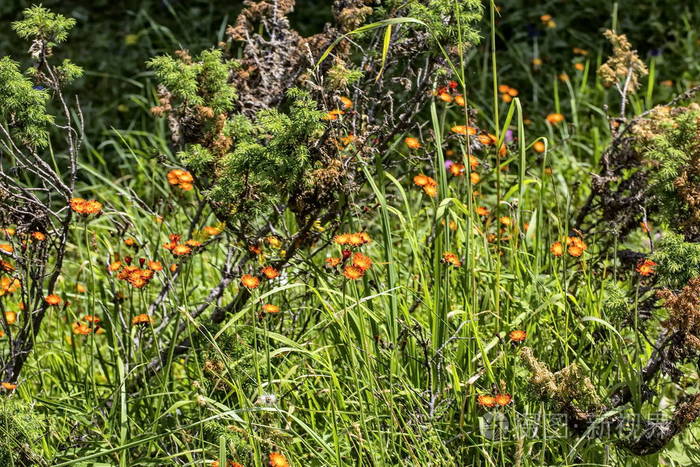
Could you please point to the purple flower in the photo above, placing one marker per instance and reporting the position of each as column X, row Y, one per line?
column 448, row 164
column 509, row 136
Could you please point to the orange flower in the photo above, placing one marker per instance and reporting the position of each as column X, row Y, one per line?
column 277, row 459
column 423, row 180
column 8, row 386
column 483, row 211
column 463, row 130
column 155, row 266
column 181, row 250
column 579, row 66
column 457, row 169
column 333, row 262
column 347, row 103
column 181, row 178
column 6, row 247
column 250, row 282
column 459, row 100
column 10, row 317
column 576, row 246
column 474, row 178
column 353, row 272
column 6, row 266
column 53, row 300
column 505, row 220
column 365, row 237
column 193, row 243
column 539, row 146
column 81, row 329
column 580, row 51
column 342, row 239
column 8, row 286
column 91, row 319
column 85, row 207
column 412, row 143
column 575, row 250
column 269, row 308
column 445, row 97
column 555, row 118
column 503, row 88
column 333, row 115
column 646, row 267
column 38, row 236
column 513, row 92
column 361, row 261
column 270, row 272
column 557, row 249
column 212, row 231
column 430, row 190
column 356, row 239
column 143, row 318
column 80, row 288
column 517, row 335
column 503, row 399
column 507, row 98
column 486, row 400
column 452, row 259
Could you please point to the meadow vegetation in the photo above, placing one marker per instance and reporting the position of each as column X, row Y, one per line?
column 407, row 232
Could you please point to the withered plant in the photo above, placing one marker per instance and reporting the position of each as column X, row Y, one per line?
column 36, row 184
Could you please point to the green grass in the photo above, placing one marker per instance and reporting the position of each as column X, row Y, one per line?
column 385, row 370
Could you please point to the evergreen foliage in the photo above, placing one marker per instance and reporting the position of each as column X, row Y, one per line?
column 42, row 24
column 23, row 106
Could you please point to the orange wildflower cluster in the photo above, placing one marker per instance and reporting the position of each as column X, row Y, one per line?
column 138, row 277
column 507, row 93
column 86, row 207
column 488, row 400
column 451, row 259
column 181, row 178
column 355, row 239
column 575, row 246
column 6, row 247
column 447, row 94
column 143, row 318
column 88, row 325
column 428, row 184
column 8, row 386
column 180, row 249
column 354, row 264
column 646, row 267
